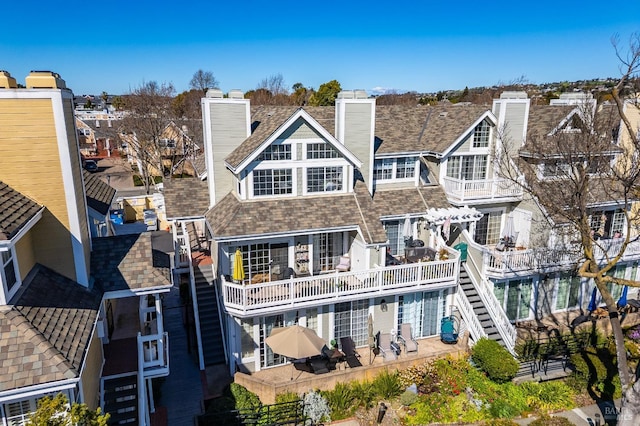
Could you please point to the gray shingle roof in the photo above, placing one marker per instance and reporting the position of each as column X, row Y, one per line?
column 45, row 334
column 409, row 129
column 15, row 211
column 544, row 118
column 126, row 262
column 99, row 194
column 233, row 218
column 186, row 197
column 396, row 202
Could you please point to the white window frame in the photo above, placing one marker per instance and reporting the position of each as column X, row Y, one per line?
column 8, row 293
column 461, row 161
column 341, row 171
column 479, row 130
column 389, row 166
column 253, row 181
column 503, row 215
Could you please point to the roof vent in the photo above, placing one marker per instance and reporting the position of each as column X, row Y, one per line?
column 513, row 95
column 346, row 94
column 361, row 94
column 444, row 114
column 44, row 80
column 236, row 94
column 214, row 93
column 6, row 81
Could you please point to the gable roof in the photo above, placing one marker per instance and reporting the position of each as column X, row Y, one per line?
column 128, row 262
column 99, row 194
column 232, row 218
column 412, row 201
column 15, row 211
column 423, row 129
column 268, row 120
column 185, row 197
column 44, row 336
column 543, row 119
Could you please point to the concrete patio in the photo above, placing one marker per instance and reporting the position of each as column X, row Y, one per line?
column 273, row 381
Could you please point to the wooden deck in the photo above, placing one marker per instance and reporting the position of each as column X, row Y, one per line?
column 272, row 381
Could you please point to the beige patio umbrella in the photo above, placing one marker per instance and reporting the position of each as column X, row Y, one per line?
column 295, row 342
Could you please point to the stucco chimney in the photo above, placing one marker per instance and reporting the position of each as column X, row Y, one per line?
column 6, row 81
column 44, row 80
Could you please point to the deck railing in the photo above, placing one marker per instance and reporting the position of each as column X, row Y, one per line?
column 470, row 318
column 250, row 299
column 462, row 190
column 153, row 349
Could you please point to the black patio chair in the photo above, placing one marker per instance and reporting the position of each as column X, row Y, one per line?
column 349, row 350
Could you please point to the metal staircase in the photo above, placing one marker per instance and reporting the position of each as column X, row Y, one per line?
column 208, row 315
column 120, row 399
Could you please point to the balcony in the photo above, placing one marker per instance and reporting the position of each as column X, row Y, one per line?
column 462, row 191
column 153, row 350
column 246, row 300
column 503, row 264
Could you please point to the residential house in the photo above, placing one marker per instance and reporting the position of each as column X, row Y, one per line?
column 78, row 315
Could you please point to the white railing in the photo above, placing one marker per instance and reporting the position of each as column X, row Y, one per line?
column 194, row 298
column 468, row 190
column 154, row 351
column 142, row 394
column 250, row 299
column 182, row 251
column 496, row 312
column 471, row 320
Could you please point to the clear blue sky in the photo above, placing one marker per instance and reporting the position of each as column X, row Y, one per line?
column 419, row 45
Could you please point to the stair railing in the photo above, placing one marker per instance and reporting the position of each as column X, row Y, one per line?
column 471, row 320
column 194, row 299
column 220, row 305
column 483, row 287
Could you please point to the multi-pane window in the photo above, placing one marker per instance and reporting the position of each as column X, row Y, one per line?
column 515, row 298
column 272, row 182
column 383, row 169
column 327, row 249
column 405, row 168
column 568, row 293
column 324, row 179
column 312, row 319
column 390, row 168
column 488, row 228
column 468, row 167
column 350, row 320
column 267, row 357
column 321, row 150
column 246, row 339
column 276, row 152
column 617, row 224
column 556, row 169
column 9, row 272
column 256, row 259
column 395, row 236
column 607, row 224
column 481, row 135
column 423, row 311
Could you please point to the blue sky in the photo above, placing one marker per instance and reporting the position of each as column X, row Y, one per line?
column 401, row 45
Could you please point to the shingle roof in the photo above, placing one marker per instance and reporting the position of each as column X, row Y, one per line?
column 15, row 211
column 265, row 120
column 233, row 218
column 199, row 163
column 99, row 194
column 126, row 262
column 186, row 197
column 396, row 202
column 410, row 129
column 544, row 118
column 45, row 334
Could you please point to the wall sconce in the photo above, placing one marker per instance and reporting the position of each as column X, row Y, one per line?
column 383, row 305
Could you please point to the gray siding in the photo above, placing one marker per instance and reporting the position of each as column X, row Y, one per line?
column 228, row 131
column 514, row 125
column 300, row 130
column 358, row 133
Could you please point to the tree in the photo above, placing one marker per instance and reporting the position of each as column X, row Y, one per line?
column 150, row 112
column 56, row 411
column 588, row 168
column 300, row 95
column 203, row 80
column 326, row 94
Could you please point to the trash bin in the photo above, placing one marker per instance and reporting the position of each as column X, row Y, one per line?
column 117, row 216
column 462, row 248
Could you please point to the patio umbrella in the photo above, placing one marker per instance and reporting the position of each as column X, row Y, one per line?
column 238, row 267
column 509, row 227
column 592, row 303
column 406, row 228
column 622, row 302
column 295, row 342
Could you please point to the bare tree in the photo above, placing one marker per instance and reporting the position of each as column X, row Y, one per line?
column 592, row 158
column 203, row 80
column 149, row 108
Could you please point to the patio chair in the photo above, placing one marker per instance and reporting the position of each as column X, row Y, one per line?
column 349, row 351
column 406, row 338
column 345, row 264
column 449, row 330
column 385, row 346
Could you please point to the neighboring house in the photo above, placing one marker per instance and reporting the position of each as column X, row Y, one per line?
column 86, row 139
column 321, row 203
column 78, row 316
column 99, row 199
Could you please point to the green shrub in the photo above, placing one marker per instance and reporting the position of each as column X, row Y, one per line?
column 137, row 180
column 596, row 369
column 386, row 385
column 363, row 394
column 500, row 422
column 340, row 400
column 408, row 398
column 244, row 398
column 494, row 360
column 287, row 397
column 548, row 396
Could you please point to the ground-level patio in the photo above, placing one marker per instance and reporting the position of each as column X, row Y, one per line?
column 273, row 381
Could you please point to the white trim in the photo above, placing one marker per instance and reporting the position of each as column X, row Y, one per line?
column 300, row 113
column 80, row 262
column 25, row 228
column 35, row 390
column 486, row 115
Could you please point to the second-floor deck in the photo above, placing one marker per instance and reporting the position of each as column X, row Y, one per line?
column 245, row 300
column 462, row 191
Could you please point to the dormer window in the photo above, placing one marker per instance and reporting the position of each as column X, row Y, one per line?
column 324, row 179
column 481, row 135
column 272, row 182
column 275, row 153
column 321, row 150
column 394, row 169
column 9, row 276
